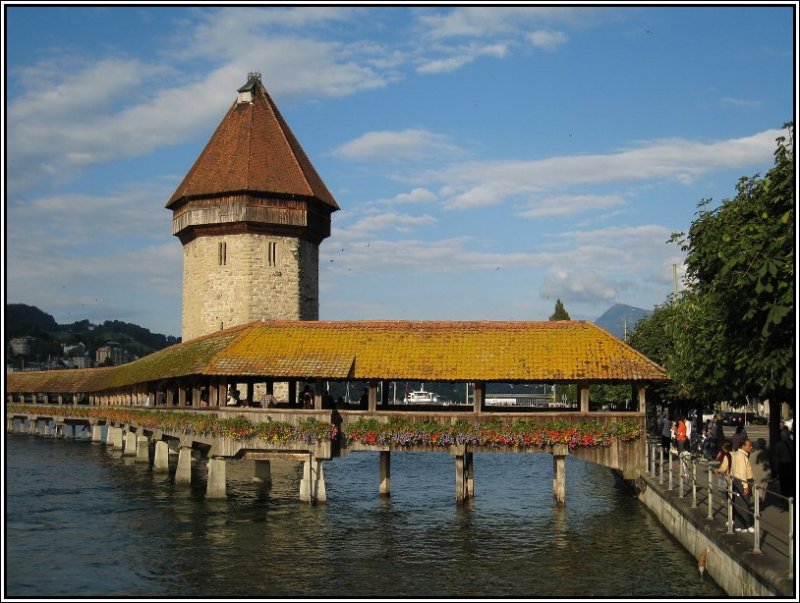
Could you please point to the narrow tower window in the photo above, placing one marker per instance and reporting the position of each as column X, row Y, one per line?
column 223, row 253
column 272, row 254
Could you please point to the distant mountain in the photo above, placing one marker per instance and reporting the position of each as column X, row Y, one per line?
column 615, row 318
column 22, row 319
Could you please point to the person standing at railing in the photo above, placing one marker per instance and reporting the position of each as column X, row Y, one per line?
column 742, row 474
column 680, row 435
column 725, row 462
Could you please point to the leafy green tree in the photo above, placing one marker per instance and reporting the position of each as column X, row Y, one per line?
column 655, row 337
column 740, row 268
column 560, row 312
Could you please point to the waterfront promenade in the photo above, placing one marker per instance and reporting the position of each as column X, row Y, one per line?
column 700, row 501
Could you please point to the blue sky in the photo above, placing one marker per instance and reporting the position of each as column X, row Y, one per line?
column 487, row 160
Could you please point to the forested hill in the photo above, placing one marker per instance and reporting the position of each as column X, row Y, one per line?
column 50, row 337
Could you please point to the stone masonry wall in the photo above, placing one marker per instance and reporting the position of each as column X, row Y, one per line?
column 248, row 284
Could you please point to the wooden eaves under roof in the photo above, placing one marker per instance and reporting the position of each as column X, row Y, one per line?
column 534, row 352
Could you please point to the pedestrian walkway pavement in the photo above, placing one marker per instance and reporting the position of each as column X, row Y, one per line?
column 768, row 551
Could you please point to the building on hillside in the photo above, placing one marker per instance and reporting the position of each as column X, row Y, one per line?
column 21, row 346
column 111, row 353
column 76, row 355
column 251, row 214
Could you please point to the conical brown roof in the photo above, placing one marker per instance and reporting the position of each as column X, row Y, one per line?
column 253, row 150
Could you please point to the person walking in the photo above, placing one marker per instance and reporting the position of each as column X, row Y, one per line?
column 666, row 434
column 742, row 474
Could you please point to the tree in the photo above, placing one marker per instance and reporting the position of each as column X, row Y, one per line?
column 655, row 337
column 560, row 313
column 740, row 268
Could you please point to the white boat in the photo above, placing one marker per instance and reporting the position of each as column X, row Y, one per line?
column 421, row 397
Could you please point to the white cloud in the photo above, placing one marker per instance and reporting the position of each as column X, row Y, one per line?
column 460, row 56
column 445, row 65
column 564, row 205
column 392, row 145
column 99, row 110
column 740, row 102
column 547, row 40
column 417, row 195
column 492, row 21
column 477, row 183
column 579, row 287
column 372, row 225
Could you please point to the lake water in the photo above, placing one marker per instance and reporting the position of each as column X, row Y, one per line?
column 81, row 520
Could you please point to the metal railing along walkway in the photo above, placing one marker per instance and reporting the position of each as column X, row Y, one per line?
column 693, row 477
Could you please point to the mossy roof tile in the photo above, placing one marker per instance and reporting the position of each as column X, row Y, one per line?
column 372, row 350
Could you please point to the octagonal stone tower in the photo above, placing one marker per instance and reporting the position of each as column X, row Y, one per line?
column 250, row 214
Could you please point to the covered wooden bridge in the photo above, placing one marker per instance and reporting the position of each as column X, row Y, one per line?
column 269, row 360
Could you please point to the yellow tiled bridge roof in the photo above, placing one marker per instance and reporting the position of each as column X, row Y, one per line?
column 546, row 351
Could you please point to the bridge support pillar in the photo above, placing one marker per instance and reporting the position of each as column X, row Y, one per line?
column 130, row 444
column 97, row 433
column 183, row 473
column 465, row 478
column 32, row 426
column 215, row 484
column 142, row 449
column 262, row 472
column 10, row 424
column 161, row 457
column 560, row 452
column 312, row 486
column 386, row 473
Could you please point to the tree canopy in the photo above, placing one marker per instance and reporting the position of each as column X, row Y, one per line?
column 740, row 272
column 560, row 313
column 731, row 333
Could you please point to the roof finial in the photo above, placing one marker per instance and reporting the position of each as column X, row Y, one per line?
column 246, row 91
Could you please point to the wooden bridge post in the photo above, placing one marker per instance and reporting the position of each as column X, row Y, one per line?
column 470, row 474
column 183, row 472
column 642, row 398
column 478, row 397
column 215, row 483
column 583, row 396
column 373, row 396
column 130, row 443
column 385, row 476
column 142, row 448
column 161, row 458
column 465, row 487
column 560, row 452
column 312, row 486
